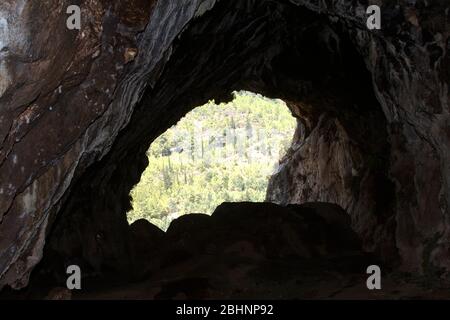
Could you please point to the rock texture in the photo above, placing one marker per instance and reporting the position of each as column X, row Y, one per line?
column 78, row 107
column 256, row 250
column 331, row 165
column 409, row 63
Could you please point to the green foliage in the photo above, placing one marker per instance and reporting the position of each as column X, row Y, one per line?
column 216, row 153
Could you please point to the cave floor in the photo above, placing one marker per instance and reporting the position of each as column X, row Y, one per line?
column 263, row 251
column 211, row 278
column 246, row 251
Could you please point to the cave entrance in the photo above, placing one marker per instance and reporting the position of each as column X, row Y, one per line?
column 217, row 153
column 274, row 48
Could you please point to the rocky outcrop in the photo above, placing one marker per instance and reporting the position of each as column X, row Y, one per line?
column 240, row 251
column 243, row 251
column 331, row 165
column 78, row 107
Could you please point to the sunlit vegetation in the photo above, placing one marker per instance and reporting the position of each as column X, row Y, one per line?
column 216, row 153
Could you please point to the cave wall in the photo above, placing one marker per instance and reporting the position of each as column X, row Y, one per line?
column 409, row 65
column 329, row 165
column 77, row 107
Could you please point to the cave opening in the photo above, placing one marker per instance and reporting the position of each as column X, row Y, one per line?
column 215, row 154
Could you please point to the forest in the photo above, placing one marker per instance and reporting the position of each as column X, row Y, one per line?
column 217, row 153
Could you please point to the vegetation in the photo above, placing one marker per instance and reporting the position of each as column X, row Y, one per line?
column 216, row 153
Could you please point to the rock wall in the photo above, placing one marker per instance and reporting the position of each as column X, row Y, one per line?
column 409, row 62
column 330, row 165
column 77, row 107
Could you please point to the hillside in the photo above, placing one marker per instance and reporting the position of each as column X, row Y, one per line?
column 216, row 153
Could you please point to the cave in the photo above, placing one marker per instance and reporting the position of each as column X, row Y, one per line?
column 366, row 180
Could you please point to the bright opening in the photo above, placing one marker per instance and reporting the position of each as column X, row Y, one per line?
column 215, row 154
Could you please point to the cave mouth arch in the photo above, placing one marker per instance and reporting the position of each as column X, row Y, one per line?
column 215, row 154
column 273, row 48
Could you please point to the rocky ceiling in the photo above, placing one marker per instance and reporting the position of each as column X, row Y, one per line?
column 79, row 109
